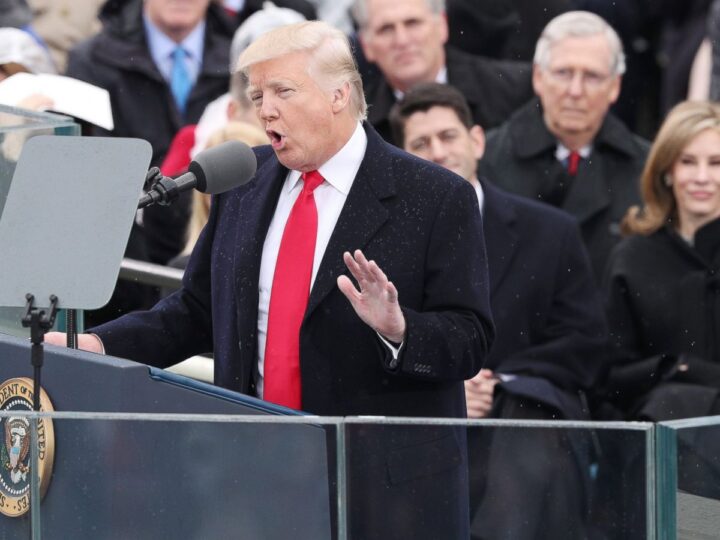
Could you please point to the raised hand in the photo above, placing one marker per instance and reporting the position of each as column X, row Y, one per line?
column 376, row 301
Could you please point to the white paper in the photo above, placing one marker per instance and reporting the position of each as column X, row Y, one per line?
column 70, row 96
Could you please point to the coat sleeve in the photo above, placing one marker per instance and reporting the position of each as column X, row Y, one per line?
column 180, row 325
column 448, row 339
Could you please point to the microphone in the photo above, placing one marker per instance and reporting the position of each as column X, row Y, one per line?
column 215, row 170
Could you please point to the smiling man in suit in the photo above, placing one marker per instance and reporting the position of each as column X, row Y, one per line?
column 550, row 334
column 269, row 287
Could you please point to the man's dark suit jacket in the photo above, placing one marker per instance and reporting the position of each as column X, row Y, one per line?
column 494, row 89
column 421, row 224
column 520, row 158
column 548, row 312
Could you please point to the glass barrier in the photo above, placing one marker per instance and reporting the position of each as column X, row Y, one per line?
column 16, row 127
column 527, row 479
column 124, row 475
column 689, row 486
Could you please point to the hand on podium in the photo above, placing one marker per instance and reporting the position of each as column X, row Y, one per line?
column 86, row 342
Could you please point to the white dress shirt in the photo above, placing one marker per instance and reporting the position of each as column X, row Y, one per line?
column 339, row 173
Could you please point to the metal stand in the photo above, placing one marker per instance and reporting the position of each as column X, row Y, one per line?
column 39, row 321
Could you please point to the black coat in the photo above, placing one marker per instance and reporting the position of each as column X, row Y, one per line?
column 663, row 305
column 118, row 59
column 421, row 224
column 492, row 88
column 548, row 313
column 520, row 158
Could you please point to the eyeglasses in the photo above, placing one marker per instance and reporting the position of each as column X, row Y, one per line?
column 589, row 79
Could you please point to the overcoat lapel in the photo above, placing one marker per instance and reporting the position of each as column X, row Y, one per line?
column 501, row 237
column 361, row 217
column 256, row 210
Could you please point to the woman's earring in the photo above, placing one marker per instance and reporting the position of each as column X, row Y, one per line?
column 667, row 179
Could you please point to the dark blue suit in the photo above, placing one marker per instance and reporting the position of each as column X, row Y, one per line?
column 550, row 338
column 546, row 306
column 421, row 224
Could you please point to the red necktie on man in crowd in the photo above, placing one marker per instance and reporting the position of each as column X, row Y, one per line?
column 573, row 162
column 289, row 297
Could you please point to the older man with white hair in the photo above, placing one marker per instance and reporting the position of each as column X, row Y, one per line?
column 565, row 148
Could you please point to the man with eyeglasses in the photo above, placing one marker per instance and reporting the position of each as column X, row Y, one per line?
column 565, row 148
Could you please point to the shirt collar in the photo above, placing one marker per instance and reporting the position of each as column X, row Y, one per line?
column 562, row 152
column 161, row 46
column 340, row 170
column 480, row 193
column 441, row 78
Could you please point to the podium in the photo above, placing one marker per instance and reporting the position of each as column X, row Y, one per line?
column 120, row 476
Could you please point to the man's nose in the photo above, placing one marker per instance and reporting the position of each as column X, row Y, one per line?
column 438, row 152
column 267, row 108
column 576, row 86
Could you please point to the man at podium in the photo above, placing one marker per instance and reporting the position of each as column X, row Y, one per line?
column 347, row 278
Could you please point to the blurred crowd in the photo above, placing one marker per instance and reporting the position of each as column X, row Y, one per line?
column 588, row 128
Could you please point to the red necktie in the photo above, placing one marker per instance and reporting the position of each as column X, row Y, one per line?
column 289, row 296
column 573, row 162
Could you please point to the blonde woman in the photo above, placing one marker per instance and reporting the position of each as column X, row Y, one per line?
column 663, row 281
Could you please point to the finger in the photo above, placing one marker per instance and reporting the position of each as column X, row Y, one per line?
column 358, row 267
column 353, row 266
column 347, row 287
column 392, row 293
column 377, row 273
column 363, row 263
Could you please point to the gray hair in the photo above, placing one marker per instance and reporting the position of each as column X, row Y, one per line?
column 579, row 24
column 359, row 10
column 331, row 61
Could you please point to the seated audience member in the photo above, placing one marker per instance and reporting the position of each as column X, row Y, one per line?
column 162, row 63
column 550, row 333
column 64, row 23
column 20, row 53
column 565, row 148
column 663, row 281
column 407, row 40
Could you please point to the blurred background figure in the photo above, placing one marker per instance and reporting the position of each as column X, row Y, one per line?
column 407, row 42
column 61, row 24
column 565, row 148
column 19, row 52
column 549, row 343
column 162, row 62
column 663, row 282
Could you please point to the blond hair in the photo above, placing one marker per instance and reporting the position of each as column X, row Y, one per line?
column 682, row 124
column 331, row 57
column 233, row 131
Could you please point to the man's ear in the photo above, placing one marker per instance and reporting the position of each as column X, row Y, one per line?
column 477, row 134
column 341, row 97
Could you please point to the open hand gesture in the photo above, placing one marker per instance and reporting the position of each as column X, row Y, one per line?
column 376, row 303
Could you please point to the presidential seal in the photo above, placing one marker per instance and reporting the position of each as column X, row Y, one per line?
column 17, row 395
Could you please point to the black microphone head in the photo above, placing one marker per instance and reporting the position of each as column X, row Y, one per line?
column 223, row 167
